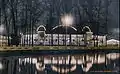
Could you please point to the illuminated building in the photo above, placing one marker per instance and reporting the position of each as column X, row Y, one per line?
column 59, row 36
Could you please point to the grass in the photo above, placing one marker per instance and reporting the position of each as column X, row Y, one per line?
column 6, row 48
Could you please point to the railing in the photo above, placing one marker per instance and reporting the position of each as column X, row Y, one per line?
column 52, row 40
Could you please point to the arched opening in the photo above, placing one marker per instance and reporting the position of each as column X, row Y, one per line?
column 41, row 28
column 86, row 29
column 87, row 34
column 41, row 34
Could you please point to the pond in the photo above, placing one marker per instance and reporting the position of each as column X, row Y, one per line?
column 89, row 63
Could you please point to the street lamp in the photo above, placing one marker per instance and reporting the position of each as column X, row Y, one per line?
column 67, row 20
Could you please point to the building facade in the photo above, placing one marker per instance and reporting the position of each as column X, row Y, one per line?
column 67, row 38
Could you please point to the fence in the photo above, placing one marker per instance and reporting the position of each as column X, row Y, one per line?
column 52, row 40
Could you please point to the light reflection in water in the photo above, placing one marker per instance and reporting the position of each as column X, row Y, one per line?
column 1, row 66
column 63, row 64
column 69, row 63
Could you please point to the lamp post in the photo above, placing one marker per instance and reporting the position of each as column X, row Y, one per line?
column 67, row 20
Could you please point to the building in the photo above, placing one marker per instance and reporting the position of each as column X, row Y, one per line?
column 61, row 35
column 113, row 42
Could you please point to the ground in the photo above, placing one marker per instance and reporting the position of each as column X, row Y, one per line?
column 12, row 48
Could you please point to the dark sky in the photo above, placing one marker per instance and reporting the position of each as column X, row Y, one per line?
column 113, row 15
column 114, row 19
column 50, row 11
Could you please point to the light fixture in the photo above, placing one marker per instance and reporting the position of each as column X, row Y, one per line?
column 67, row 20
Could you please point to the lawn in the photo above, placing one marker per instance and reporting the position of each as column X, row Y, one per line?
column 6, row 48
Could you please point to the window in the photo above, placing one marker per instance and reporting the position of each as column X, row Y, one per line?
column 56, row 40
column 73, row 40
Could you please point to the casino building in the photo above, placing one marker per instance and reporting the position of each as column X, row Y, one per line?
column 64, row 35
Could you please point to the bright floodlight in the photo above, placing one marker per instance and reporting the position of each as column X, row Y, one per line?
column 67, row 20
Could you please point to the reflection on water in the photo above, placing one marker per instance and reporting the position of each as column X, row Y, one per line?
column 61, row 64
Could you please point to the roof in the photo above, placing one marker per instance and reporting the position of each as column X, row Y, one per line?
column 64, row 30
column 41, row 28
column 94, row 27
column 113, row 41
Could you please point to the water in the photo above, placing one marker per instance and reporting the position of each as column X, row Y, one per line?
column 92, row 63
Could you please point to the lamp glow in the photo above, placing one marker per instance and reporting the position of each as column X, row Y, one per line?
column 2, row 28
column 67, row 20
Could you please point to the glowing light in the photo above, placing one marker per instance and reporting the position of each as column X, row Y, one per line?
column 67, row 20
column 2, row 28
column 1, row 66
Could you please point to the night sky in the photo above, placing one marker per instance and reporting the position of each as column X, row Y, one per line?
column 23, row 13
column 114, row 19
